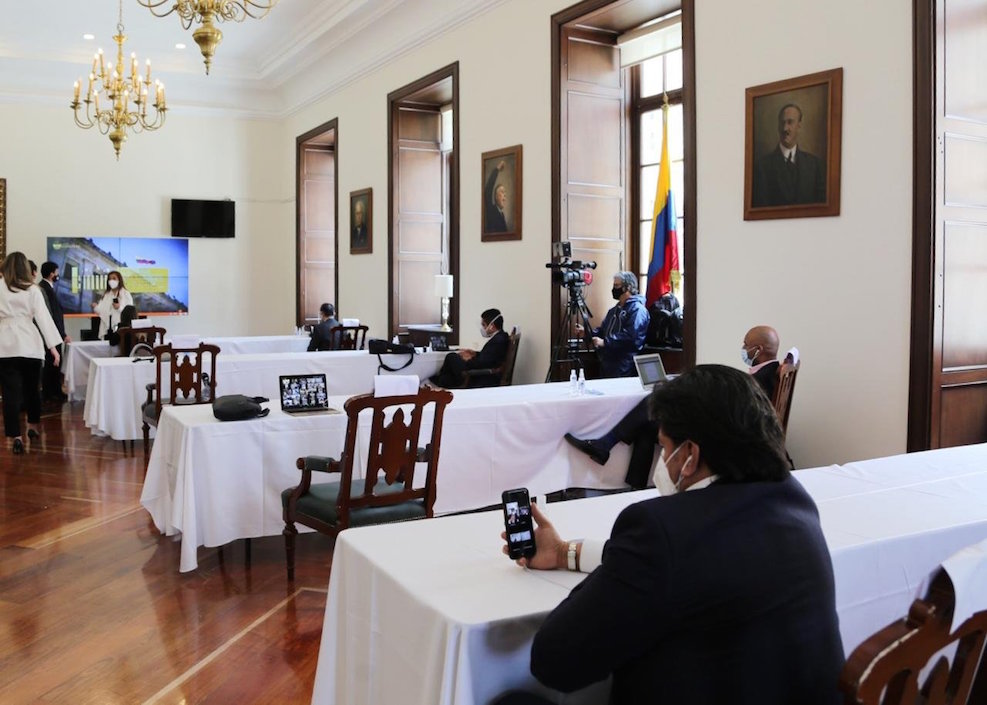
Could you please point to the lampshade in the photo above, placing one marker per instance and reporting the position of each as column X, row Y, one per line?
column 443, row 285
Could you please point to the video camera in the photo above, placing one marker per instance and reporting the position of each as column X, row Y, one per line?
column 567, row 271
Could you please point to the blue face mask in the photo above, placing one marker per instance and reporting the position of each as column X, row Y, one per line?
column 747, row 357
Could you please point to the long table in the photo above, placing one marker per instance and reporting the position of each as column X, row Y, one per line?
column 214, row 482
column 116, row 386
column 439, row 608
column 78, row 355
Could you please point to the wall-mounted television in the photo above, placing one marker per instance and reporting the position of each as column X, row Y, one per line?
column 191, row 218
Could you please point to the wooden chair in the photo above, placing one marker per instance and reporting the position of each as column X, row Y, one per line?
column 129, row 337
column 885, row 668
column 386, row 493
column 505, row 373
column 188, row 382
column 348, row 337
column 782, row 402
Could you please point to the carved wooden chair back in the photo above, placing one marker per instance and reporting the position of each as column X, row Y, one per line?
column 129, row 337
column 885, row 668
column 787, row 372
column 348, row 337
column 191, row 374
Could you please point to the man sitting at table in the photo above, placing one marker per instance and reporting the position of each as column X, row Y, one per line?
column 719, row 591
column 491, row 357
column 320, row 332
column 759, row 352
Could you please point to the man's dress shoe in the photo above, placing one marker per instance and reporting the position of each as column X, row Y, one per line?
column 592, row 448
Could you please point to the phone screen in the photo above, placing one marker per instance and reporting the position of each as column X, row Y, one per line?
column 518, row 524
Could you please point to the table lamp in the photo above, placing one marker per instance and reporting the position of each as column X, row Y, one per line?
column 443, row 288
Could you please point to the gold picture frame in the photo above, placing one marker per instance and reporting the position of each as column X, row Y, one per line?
column 500, row 210
column 804, row 114
column 362, row 232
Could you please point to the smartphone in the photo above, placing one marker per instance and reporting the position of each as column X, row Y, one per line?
column 116, row 300
column 518, row 524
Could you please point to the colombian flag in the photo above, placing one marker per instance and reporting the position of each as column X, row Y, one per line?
column 664, row 244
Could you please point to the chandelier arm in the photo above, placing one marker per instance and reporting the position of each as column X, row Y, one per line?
column 153, row 6
column 262, row 7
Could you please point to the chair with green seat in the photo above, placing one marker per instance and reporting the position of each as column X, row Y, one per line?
column 386, row 492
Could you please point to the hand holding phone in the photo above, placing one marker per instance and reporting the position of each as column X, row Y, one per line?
column 518, row 526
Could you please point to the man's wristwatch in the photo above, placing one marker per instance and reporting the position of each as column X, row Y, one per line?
column 571, row 556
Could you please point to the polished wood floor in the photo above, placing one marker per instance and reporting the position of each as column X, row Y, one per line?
column 94, row 610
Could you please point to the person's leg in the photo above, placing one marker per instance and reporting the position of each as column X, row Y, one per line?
column 10, row 385
column 627, row 430
column 51, row 377
column 451, row 374
column 642, row 455
column 31, row 376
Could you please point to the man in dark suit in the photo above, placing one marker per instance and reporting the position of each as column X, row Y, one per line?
column 719, row 591
column 495, row 200
column 320, row 332
column 358, row 236
column 51, row 376
column 788, row 175
column 759, row 351
column 491, row 357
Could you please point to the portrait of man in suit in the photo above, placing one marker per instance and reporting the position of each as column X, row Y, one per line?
column 792, row 154
column 502, row 194
column 361, row 233
column 789, row 175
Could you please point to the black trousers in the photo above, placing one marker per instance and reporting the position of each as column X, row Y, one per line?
column 19, row 378
column 641, row 433
column 451, row 374
column 51, row 376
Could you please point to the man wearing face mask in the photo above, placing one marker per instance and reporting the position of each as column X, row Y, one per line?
column 719, row 591
column 621, row 335
column 51, row 376
column 759, row 352
column 491, row 356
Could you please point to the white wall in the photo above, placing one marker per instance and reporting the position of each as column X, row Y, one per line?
column 838, row 288
column 807, row 277
column 64, row 181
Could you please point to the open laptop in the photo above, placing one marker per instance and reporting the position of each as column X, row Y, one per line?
column 650, row 370
column 303, row 393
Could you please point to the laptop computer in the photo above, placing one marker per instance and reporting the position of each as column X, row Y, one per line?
column 650, row 370
column 303, row 393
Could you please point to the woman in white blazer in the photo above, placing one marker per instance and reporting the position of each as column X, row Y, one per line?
column 111, row 305
column 22, row 352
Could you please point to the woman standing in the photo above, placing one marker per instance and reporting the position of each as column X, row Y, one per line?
column 110, row 307
column 22, row 304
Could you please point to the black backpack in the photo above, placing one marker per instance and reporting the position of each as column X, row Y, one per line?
column 665, row 328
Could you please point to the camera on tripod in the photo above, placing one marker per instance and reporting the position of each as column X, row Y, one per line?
column 567, row 271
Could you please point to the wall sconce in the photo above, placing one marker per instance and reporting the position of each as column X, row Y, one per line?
column 443, row 288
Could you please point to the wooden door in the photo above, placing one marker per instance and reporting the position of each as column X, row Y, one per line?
column 959, row 370
column 316, row 231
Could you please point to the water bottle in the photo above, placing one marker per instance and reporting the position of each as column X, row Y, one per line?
column 206, row 392
column 572, row 383
column 581, row 385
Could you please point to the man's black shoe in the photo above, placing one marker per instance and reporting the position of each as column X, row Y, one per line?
column 591, row 448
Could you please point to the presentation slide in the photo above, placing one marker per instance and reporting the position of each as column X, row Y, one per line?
column 154, row 271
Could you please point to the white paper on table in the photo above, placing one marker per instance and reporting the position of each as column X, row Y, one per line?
column 141, row 323
column 395, row 385
column 350, row 321
column 185, row 341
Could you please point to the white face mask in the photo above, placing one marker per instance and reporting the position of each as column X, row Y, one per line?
column 747, row 358
column 661, row 478
column 113, row 283
column 484, row 330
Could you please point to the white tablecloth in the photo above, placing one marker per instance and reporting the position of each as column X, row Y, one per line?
column 79, row 354
column 450, row 619
column 117, row 385
column 215, row 482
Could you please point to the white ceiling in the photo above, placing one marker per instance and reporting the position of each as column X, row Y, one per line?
column 302, row 51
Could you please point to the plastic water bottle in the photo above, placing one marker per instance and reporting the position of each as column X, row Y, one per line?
column 573, row 385
column 581, row 384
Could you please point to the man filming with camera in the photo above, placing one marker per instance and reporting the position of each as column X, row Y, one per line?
column 621, row 335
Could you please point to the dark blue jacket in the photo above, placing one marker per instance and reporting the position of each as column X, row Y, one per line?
column 623, row 332
column 720, row 595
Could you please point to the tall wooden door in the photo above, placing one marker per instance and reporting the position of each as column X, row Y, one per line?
column 959, row 370
column 316, row 231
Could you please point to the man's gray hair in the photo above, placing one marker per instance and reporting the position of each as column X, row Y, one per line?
column 629, row 280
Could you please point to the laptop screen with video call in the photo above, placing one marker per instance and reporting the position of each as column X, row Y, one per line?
column 301, row 393
column 650, row 369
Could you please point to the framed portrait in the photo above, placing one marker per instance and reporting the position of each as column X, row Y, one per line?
column 792, row 155
column 501, row 209
column 362, row 222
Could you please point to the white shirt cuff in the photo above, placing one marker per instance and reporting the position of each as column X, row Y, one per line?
column 591, row 555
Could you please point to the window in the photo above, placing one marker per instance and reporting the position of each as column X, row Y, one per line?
column 650, row 81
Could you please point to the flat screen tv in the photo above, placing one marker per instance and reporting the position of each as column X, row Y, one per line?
column 191, row 218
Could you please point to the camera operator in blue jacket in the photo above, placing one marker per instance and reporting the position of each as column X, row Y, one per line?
column 621, row 335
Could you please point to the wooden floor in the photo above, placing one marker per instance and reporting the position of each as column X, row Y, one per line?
column 94, row 610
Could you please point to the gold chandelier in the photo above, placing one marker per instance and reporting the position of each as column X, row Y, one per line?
column 115, row 119
column 204, row 12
